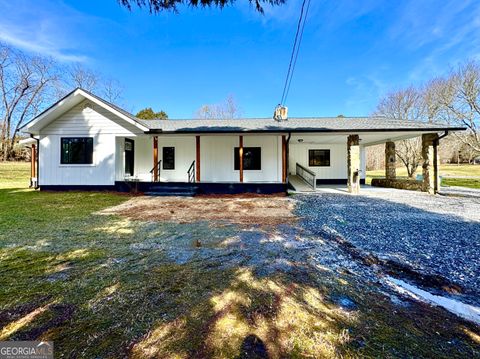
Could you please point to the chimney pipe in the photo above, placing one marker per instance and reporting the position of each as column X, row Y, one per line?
column 281, row 113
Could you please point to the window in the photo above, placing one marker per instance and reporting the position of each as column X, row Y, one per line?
column 252, row 158
column 319, row 158
column 76, row 151
column 168, row 160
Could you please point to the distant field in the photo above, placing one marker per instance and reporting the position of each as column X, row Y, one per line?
column 14, row 174
column 453, row 175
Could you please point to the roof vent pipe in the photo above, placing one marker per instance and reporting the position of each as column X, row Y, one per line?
column 281, row 113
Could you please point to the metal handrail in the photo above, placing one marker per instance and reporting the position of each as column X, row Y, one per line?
column 191, row 172
column 156, row 168
column 307, row 175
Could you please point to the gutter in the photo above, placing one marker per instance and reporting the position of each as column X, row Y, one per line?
column 299, row 130
column 442, row 136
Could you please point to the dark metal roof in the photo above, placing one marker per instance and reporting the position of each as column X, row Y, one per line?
column 304, row 124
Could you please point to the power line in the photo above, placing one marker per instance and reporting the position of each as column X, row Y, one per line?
column 296, row 46
column 298, row 50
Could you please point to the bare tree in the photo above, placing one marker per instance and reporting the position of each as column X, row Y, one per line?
column 375, row 157
column 25, row 84
column 111, row 90
column 227, row 110
column 459, row 98
column 82, row 77
column 406, row 105
column 29, row 83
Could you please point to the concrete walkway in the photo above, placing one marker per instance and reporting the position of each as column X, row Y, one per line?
column 460, row 192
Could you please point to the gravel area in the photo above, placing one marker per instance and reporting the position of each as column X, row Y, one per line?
column 436, row 235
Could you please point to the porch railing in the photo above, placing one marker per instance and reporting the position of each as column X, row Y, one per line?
column 191, row 173
column 307, row 175
column 156, row 170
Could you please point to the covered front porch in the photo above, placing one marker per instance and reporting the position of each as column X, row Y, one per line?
column 227, row 163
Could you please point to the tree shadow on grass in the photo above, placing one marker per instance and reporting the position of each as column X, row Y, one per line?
column 246, row 292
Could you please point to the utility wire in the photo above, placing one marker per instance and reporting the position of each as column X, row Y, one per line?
column 298, row 50
column 296, row 47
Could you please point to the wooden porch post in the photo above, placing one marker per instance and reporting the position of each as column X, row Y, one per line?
column 155, row 158
column 284, row 159
column 33, row 162
column 197, row 158
column 240, row 152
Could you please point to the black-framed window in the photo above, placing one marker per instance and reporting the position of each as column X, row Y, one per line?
column 168, row 159
column 252, row 158
column 318, row 158
column 76, row 151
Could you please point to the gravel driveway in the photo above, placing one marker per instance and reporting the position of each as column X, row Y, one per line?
column 436, row 235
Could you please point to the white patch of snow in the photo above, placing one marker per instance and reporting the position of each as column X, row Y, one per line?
column 463, row 310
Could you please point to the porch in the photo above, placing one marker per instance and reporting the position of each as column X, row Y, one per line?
column 191, row 164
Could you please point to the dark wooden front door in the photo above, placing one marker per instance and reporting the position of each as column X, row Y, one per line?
column 129, row 156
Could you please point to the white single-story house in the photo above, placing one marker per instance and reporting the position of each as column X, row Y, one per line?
column 84, row 142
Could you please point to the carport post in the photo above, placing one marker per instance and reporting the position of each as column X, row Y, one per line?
column 390, row 160
column 155, row 159
column 353, row 164
column 33, row 161
column 431, row 183
column 240, row 152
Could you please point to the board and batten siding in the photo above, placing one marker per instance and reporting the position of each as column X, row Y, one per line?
column 184, row 156
column 298, row 153
column 84, row 120
column 217, row 158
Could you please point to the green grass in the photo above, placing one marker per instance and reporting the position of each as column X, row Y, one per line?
column 451, row 174
column 461, row 182
column 77, row 277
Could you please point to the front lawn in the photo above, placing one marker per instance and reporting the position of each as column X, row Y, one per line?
column 102, row 281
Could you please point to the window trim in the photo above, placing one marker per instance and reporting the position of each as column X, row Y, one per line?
column 246, row 169
column 93, row 164
column 311, row 150
column 163, row 159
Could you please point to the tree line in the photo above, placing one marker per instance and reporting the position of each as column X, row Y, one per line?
column 453, row 98
column 30, row 83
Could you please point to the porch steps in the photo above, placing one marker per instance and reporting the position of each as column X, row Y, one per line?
column 172, row 190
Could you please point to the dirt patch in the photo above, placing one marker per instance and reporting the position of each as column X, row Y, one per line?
column 263, row 210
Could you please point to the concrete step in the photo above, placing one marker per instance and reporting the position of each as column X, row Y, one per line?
column 172, row 190
column 175, row 194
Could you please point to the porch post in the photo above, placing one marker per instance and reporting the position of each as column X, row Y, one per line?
column 353, row 164
column 240, row 151
column 284, row 159
column 155, row 158
column 197, row 158
column 390, row 160
column 431, row 183
column 33, row 161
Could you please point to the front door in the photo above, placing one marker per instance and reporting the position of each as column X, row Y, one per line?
column 129, row 156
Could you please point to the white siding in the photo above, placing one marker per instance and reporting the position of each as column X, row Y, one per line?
column 143, row 157
column 217, row 158
column 338, row 160
column 94, row 122
column 184, row 156
column 101, row 172
column 363, row 162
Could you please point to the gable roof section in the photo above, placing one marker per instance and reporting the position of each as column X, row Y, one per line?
column 304, row 124
column 68, row 102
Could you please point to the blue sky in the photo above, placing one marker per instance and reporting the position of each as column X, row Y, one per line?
column 352, row 53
